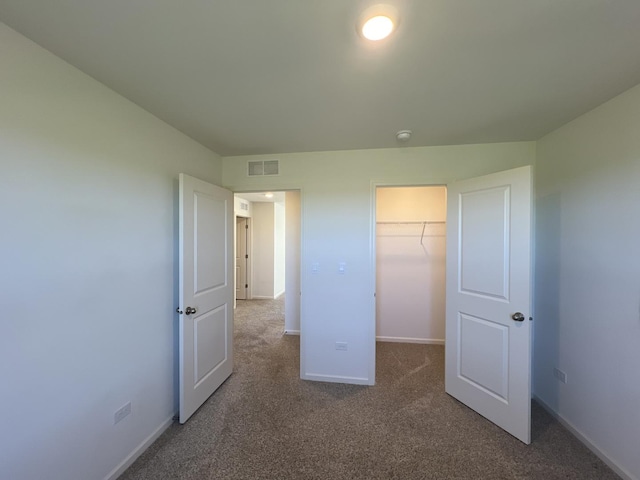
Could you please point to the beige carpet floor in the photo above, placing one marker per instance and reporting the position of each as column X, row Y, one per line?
column 266, row 423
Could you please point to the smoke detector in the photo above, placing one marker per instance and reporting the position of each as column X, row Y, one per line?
column 403, row 135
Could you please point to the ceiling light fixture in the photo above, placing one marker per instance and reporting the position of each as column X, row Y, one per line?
column 377, row 22
column 377, row 28
column 268, row 195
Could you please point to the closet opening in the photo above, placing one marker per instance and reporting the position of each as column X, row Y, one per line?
column 410, row 264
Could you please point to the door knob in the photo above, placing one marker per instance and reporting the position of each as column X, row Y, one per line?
column 518, row 317
column 190, row 310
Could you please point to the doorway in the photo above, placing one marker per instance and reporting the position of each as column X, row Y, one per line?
column 268, row 237
column 410, row 264
column 487, row 285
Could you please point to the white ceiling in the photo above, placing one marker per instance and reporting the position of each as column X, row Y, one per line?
column 275, row 76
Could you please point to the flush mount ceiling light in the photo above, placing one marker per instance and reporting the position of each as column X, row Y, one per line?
column 377, row 22
column 377, row 28
column 268, row 195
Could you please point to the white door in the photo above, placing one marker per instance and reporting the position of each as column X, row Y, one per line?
column 488, row 332
column 242, row 228
column 206, row 291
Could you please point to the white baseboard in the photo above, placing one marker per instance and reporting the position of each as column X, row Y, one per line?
column 429, row 341
column 267, row 297
column 139, row 450
column 622, row 472
column 318, row 377
column 292, row 332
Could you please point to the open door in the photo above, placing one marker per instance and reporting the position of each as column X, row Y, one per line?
column 488, row 332
column 206, row 291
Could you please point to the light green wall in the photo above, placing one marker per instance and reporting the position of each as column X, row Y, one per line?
column 88, row 188
column 587, row 293
column 337, row 226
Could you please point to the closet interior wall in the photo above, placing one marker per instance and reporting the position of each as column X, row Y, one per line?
column 410, row 264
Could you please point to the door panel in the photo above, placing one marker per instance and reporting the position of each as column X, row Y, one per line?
column 488, row 354
column 485, row 367
column 484, row 225
column 206, row 285
column 209, row 342
column 209, row 264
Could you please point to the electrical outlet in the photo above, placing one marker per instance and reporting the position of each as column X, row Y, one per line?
column 560, row 375
column 342, row 346
column 121, row 413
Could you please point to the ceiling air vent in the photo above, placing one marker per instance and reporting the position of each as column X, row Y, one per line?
column 271, row 167
column 263, row 167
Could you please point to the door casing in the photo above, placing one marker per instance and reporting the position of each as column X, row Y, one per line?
column 243, row 248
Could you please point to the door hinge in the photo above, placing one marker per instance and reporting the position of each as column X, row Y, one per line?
column 246, row 227
column 246, row 256
column 246, row 285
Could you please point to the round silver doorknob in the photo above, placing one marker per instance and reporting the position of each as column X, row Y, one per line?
column 189, row 310
column 518, row 317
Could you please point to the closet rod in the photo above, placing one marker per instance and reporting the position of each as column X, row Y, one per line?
column 410, row 223
column 424, row 225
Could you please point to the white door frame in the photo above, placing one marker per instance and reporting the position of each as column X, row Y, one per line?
column 250, row 236
column 372, row 330
column 248, row 252
column 276, row 188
